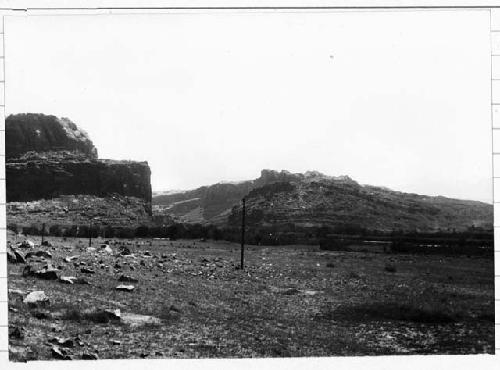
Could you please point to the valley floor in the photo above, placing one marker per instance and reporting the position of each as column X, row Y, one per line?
column 289, row 301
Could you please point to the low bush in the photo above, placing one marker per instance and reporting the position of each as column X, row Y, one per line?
column 390, row 268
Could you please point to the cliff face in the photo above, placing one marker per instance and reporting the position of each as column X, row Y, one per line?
column 41, row 133
column 49, row 157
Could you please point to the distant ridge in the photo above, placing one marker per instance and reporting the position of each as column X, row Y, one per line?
column 285, row 200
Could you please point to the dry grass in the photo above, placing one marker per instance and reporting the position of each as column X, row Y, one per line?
column 217, row 311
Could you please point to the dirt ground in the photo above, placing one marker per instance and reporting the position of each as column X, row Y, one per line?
column 289, row 301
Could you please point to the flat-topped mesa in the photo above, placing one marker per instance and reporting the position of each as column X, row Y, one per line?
column 271, row 176
column 34, row 132
column 53, row 157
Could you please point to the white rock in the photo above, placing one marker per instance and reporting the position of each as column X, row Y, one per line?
column 36, row 297
column 67, row 279
column 127, row 288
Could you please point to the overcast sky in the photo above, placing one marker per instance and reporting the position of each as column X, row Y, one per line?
column 397, row 99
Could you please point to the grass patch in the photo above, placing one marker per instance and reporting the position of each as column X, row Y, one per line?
column 71, row 313
column 427, row 307
column 397, row 311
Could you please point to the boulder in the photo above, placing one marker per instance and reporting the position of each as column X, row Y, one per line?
column 125, row 288
column 16, row 292
column 89, row 356
column 63, row 342
column 47, row 273
column 70, row 258
column 43, row 254
column 27, row 244
column 107, row 249
column 14, row 256
column 81, row 281
column 113, row 314
column 16, row 332
column 36, row 298
column 86, row 270
column 59, row 354
column 11, row 257
column 67, row 279
column 135, row 320
column 124, row 251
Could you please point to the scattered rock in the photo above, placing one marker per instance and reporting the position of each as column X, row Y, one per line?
column 116, row 342
column 16, row 332
column 89, row 356
column 135, row 320
column 81, row 281
column 128, row 279
column 67, row 279
column 27, row 244
column 124, row 251
column 59, row 353
column 43, row 254
column 113, row 314
column 70, row 258
column 29, row 271
column 125, row 288
column 11, row 257
column 18, row 256
column 175, row 308
column 63, row 342
column 47, row 273
column 36, row 298
column 41, row 315
column 311, row 292
column 107, row 249
column 18, row 292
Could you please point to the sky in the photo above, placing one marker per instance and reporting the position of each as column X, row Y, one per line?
column 398, row 99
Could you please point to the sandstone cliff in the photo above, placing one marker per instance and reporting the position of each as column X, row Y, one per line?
column 42, row 133
column 48, row 157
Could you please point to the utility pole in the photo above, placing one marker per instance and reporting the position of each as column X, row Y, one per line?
column 90, row 235
column 243, row 235
column 43, row 232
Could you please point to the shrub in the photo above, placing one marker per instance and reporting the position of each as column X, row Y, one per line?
column 390, row 268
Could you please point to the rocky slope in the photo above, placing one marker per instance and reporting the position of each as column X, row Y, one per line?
column 69, row 210
column 287, row 202
column 47, row 157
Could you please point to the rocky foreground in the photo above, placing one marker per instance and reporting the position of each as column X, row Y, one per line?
column 188, row 299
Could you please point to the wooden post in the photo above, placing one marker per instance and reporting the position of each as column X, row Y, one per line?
column 90, row 235
column 243, row 235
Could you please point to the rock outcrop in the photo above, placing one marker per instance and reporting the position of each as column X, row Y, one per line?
column 291, row 201
column 41, row 133
column 47, row 157
column 342, row 204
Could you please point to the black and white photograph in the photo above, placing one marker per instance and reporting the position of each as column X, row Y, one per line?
column 249, row 184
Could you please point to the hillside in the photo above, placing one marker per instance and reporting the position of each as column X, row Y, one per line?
column 289, row 201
